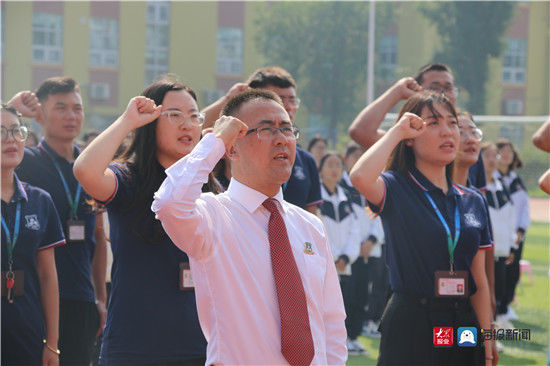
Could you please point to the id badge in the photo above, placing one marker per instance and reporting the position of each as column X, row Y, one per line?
column 75, row 230
column 18, row 288
column 451, row 284
column 186, row 278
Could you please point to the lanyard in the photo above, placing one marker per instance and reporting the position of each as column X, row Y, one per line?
column 12, row 240
column 451, row 244
column 73, row 204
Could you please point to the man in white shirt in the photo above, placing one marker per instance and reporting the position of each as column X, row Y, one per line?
column 234, row 243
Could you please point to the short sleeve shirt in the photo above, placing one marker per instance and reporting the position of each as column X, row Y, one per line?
column 415, row 237
column 73, row 261
column 303, row 188
column 39, row 229
column 149, row 319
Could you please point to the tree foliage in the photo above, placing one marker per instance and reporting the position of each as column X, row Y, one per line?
column 471, row 32
column 324, row 46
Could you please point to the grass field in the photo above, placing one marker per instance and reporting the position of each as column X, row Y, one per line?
column 532, row 305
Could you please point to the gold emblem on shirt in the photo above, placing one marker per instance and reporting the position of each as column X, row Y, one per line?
column 308, row 249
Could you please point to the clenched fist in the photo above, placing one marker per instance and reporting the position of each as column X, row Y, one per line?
column 229, row 129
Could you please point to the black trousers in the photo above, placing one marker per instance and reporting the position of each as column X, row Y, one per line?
column 512, row 274
column 500, row 285
column 78, row 324
column 407, row 332
column 378, row 284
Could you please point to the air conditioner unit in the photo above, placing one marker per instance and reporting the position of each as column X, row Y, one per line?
column 100, row 91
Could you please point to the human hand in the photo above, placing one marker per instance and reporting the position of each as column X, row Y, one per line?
column 26, row 103
column 141, row 111
column 235, row 89
column 102, row 312
column 510, row 259
column 49, row 357
column 406, row 88
column 409, row 126
column 229, row 129
column 491, row 353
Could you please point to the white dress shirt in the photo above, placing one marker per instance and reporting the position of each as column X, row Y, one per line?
column 226, row 239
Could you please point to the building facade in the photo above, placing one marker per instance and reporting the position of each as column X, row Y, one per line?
column 114, row 49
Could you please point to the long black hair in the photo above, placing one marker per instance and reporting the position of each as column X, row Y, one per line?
column 141, row 161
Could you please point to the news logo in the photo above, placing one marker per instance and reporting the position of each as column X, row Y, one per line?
column 443, row 336
column 466, row 336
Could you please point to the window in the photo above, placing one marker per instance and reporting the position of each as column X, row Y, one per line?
column 104, row 42
column 229, row 51
column 2, row 32
column 387, row 51
column 157, row 40
column 513, row 61
column 212, row 95
column 513, row 107
column 47, row 38
column 100, row 91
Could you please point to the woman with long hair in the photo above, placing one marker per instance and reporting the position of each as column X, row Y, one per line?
column 31, row 229
column 507, row 165
column 152, row 315
column 434, row 233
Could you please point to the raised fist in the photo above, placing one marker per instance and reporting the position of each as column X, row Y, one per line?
column 26, row 103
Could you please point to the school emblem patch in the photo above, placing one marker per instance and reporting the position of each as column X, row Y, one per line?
column 308, row 249
column 299, row 172
column 32, row 222
column 471, row 220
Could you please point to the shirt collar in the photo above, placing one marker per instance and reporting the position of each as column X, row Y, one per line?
column 424, row 183
column 43, row 144
column 250, row 198
column 20, row 193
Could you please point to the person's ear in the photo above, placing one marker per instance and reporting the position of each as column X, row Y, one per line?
column 232, row 154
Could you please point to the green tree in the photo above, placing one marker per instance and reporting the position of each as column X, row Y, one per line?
column 324, row 46
column 471, row 32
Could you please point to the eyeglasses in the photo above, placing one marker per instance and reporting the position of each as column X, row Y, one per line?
column 447, row 90
column 293, row 101
column 265, row 133
column 19, row 133
column 476, row 133
column 179, row 118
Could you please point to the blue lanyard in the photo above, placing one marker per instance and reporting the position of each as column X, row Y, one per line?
column 73, row 204
column 12, row 240
column 451, row 244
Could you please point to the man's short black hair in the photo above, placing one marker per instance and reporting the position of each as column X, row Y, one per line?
column 234, row 104
column 271, row 76
column 56, row 85
column 434, row 66
column 351, row 148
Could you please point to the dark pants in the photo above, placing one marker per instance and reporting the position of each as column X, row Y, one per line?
column 407, row 332
column 347, row 295
column 378, row 284
column 500, row 285
column 358, row 298
column 78, row 324
column 512, row 274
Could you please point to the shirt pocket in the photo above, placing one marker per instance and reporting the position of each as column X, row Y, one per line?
column 315, row 267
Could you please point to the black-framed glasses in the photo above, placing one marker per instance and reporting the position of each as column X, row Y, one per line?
column 19, row 133
column 178, row 118
column 265, row 133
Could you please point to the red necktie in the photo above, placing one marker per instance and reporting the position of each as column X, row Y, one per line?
column 296, row 340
